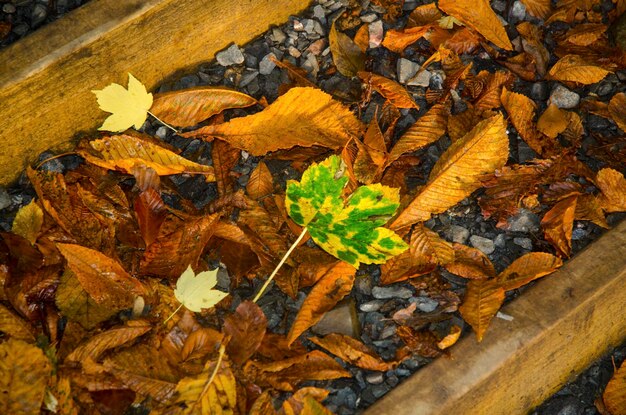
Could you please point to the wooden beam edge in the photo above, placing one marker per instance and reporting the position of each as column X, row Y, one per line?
column 560, row 325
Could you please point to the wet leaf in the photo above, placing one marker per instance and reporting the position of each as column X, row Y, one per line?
column 123, row 152
column 219, row 397
column 528, row 268
column 422, row 343
column 538, row 8
column 333, row 287
column 261, row 183
column 585, row 34
column 98, row 344
column 225, row 158
column 574, row 68
column 128, row 107
column 614, row 395
column 246, row 328
column 14, row 326
column 617, row 109
column 553, row 121
column 351, row 230
column 353, row 351
column 470, row 263
column 458, row 171
column 196, row 291
column 390, row 90
column 28, row 221
column 450, row 339
column 151, row 211
column 24, row 373
column 478, row 15
column 398, row 40
column 558, row 223
column 482, row 301
column 200, row 343
column 613, row 186
column 521, row 110
column 301, row 117
column 188, row 107
column 347, row 56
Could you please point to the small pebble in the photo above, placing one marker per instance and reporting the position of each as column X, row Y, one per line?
column 457, row 234
column 563, row 97
column 500, row 241
column 525, row 243
column 376, row 33
column 161, row 132
column 230, row 56
column 369, row 18
column 425, row 304
column 375, row 378
column 370, row 306
column 5, row 198
column 539, row 91
column 484, row 244
column 8, row 8
column 319, row 13
column 394, row 291
column 524, row 221
column 278, row 35
column 40, row 12
column 266, row 66
column 518, row 11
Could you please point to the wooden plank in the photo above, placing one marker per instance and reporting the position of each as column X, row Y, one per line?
column 559, row 327
column 46, row 79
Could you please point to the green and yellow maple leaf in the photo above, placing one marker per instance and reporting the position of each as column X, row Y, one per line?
column 128, row 107
column 196, row 291
column 351, row 229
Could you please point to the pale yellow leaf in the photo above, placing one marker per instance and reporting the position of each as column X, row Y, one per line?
column 196, row 291
column 128, row 107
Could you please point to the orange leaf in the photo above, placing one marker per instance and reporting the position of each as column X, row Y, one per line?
column 353, row 351
column 538, row 8
column 585, row 34
column 470, row 263
column 482, row 301
column 123, row 152
column 617, row 109
column 458, row 171
column 613, row 186
column 423, row 15
column 263, row 405
column 224, row 159
column 201, row 343
column 347, row 55
column 390, row 90
column 528, row 268
column 422, row 343
column 478, row 15
column 284, row 375
column 100, row 343
column 491, row 92
column 261, row 183
column 614, row 395
column 557, row 225
column 190, row 106
column 574, row 68
column 553, row 121
column 428, row 129
column 398, row 40
column 451, row 338
column 275, row 347
column 335, row 285
column 151, row 212
column 301, row 117
column 521, row 110
column 588, row 207
column 246, row 328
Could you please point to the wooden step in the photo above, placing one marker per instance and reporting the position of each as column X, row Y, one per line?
column 560, row 326
column 46, row 78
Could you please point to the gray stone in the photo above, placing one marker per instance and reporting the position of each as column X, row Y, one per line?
column 406, row 69
column 394, row 291
column 518, row 11
column 483, row 244
column 319, row 13
column 579, row 233
column 525, row 243
column 370, row 306
column 525, row 221
column 499, row 5
column 563, row 97
column 375, row 378
column 266, row 66
column 369, row 18
column 39, row 14
column 278, row 35
column 230, row 56
column 376, row 33
column 247, row 77
column 363, row 284
column 457, row 234
column 311, row 65
column 293, row 51
column 223, row 279
column 21, row 29
column 5, row 199
column 500, row 241
column 342, row 319
column 298, row 26
column 388, row 331
column 8, row 8
column 161, row 132
column 425, row 304
column 539, row 91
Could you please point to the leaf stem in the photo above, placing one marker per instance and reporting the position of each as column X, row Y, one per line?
column 213, row 374
column 173, row 314
column 164, row 123
column 280, row 264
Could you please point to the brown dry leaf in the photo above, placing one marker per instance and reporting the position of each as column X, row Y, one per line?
column 301, row 117
column 390, row 90
column 613, row 186
column 284, row 375
column 482, row 301
column 24, row 374
column 470, row 263
column 370, row 160
column 426, row 130
column 489, row 97
column 329, row 290
column 558, row 224
column 528, row 268
column 190, row 106
column 538, row 8
column 14, row 326
column 225, row 158
column 157, row 389
column 123, row 152
column 523, row 65
column 103, row 278
column 28, row 221
column 521, row 110
column 588, row 208
column 246, row 328
column 423, row 15
column 614, row 396
column 353, row 351
column 275, row 347
column 532, row 43
column 362, row 38
column 347, row 55
column 150, row 211
column 478, row 15
column 261, row 182
column 617, row 109
column 263, row 405
column 422, row 343
column 573, row 68
column 553, row 121
column 458, row 171
column 451, row 338
column 585, row 34
column 178, row 245
column 200, row 343
column 112, row 338
column 398, row 40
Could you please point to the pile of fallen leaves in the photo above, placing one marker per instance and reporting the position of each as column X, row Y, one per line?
column 99, row 265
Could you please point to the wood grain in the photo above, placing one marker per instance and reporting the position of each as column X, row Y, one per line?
column 560, row 326
column 46, row 78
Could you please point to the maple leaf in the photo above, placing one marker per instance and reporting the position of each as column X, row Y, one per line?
column 196, row 291
column 351, row 230
column 128, row 107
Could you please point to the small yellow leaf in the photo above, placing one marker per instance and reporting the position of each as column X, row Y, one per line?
column 28, row 222
column 574, row 68
column 553, row 121
column 196, row 291
column 128, row 107
column 450, row 339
